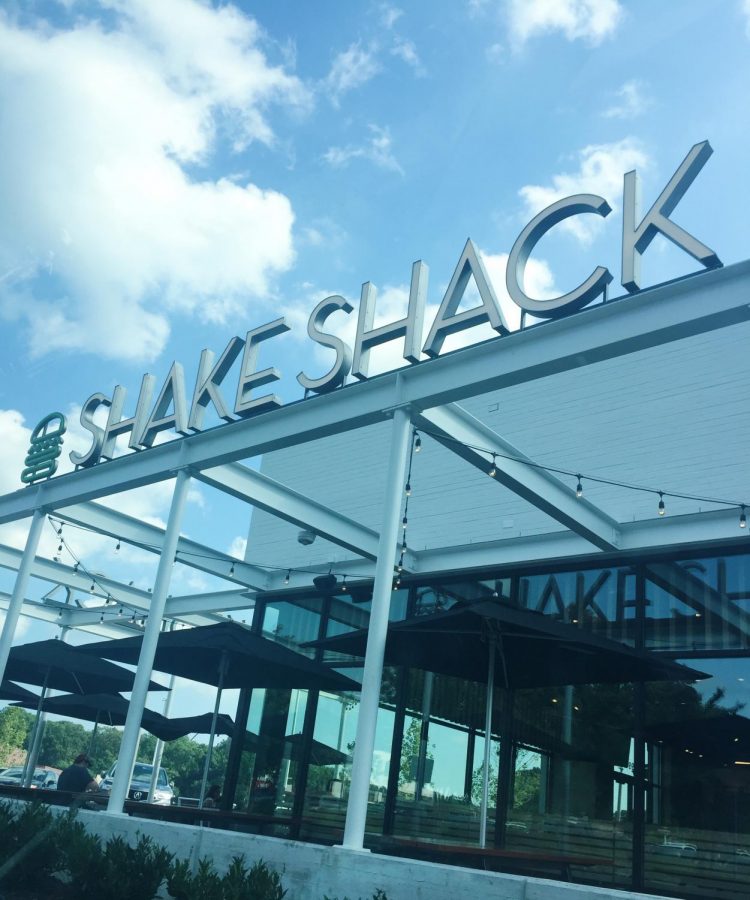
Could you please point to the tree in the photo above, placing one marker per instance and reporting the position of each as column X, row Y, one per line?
column 61, row 743
column 15, row 727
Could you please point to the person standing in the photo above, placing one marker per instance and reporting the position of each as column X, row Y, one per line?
column 77, row 778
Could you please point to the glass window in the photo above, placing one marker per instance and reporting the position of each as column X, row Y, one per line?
column 698, row 801
column 698, row 604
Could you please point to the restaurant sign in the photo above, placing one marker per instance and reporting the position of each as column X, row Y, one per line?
column 173, row 410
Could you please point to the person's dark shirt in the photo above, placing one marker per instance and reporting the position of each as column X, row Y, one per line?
column 74, row 778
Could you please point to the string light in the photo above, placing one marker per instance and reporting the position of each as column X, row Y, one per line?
column 117, row 546
column 101, row 618
column 59, row 530
column 231, row 571
column 119, row 613
column 404, row 523
column 407, row 489
column 286, row 577
column 593, row 478
column 343, row 585
column 493, row 469
column 92, row 588
column 417, row 442
column 59, row 547
column 743, row 517
column 662, row 508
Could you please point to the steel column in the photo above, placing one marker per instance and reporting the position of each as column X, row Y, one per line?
column 356, row 811
column 130, row 735
column 19, row 589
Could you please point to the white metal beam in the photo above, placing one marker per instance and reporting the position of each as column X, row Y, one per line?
column 217, row 601
column 57, row 573
column 50, row 614
column 699, row 530
column 452, row 423
column 267, row 494
column 651, row 318
column 117, row 525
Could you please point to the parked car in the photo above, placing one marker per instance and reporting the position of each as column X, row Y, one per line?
column 43, row 778
column 140, row 783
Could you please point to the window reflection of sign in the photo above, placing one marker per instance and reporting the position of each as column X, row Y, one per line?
column 45, row 447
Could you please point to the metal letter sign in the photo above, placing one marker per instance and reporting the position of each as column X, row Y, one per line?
column 173, row 412
column 44, row 448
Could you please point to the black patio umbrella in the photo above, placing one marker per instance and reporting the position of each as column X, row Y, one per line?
column 101, row 709
column 228, row 655
column 708, row 740
column 61, row 667
column 171, row 729
column 529, row 649
column 10, row 691
column 533, row 650
column 321, row 754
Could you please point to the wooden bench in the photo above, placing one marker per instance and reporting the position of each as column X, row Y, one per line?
column 492, row 858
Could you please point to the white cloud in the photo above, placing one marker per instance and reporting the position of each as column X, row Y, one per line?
column 630, row 101
column 237, row 547
column 588, row 20
column 377, row 150
column 99, row 129
column 745, row 10
column 390, row 15
column 601, row 167
column 351, row 69
column 407, row 51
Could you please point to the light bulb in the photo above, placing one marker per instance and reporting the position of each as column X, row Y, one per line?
column 286, row 579
column 743, row 518
column 343, row 586
column 493, row 471
column 231, row 570
column 117, row 546
column 579, row 488
column 407, row 490
column 662, row 508
column 417, row 444
column 404, row 523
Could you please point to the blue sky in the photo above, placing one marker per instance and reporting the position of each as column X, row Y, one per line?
column 174, row 173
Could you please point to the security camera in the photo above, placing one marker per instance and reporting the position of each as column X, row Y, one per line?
column 306, row 537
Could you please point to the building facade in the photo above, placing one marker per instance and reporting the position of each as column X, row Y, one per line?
column 586, row 474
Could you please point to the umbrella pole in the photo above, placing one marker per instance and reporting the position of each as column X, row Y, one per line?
column 222, row 669
column 36, row 738
column 159, row 746
column 92, row 741
column 487, row 744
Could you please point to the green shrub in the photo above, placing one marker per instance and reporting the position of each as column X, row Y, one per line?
column 239, row 883
column 206, row 884
column 30, row 839
column 133, row 873
column 84, row 860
